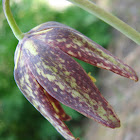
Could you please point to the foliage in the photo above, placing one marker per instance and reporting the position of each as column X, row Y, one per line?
column 18, row 119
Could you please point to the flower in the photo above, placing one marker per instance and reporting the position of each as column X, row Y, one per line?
column 46, row 74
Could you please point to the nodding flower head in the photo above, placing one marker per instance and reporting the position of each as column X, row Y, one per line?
column 46, row 74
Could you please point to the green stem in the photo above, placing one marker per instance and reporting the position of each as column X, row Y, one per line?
column 109, row 18
column 7, row 11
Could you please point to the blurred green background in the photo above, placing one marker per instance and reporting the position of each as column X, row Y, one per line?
column 19, row 120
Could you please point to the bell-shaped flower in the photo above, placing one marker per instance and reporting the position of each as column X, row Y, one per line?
column 46, row 74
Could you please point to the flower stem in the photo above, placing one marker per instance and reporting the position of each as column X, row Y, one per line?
column 109, row 18
column 12, row 23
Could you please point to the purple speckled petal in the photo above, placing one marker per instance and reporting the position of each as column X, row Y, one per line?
column 38, row 97
column 79, row 46
column 65, row 80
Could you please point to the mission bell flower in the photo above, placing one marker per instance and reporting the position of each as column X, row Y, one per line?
column 46, row 74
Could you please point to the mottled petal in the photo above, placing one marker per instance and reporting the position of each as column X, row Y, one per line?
column 38, row 97
column 65, row 80
column 58, row 109
column 79, row 46
column 46, row 26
